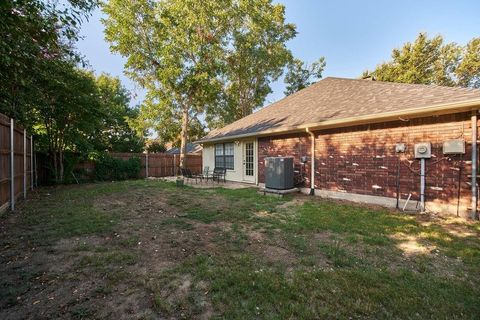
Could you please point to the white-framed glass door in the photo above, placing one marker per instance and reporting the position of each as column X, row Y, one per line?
column 249, row 161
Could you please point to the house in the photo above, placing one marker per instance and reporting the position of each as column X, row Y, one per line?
column 359, row 137
column 192, row 148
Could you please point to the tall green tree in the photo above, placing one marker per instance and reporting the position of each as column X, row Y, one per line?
column 254, row 56
column 69, row 111
column 468, row 70
column 115, row 133
column 432, row 61
column 31, row 32
column 156, row 116
column 173, row 49
column 213, row 60
column 301, row 75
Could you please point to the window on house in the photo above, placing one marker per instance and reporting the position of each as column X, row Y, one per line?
column 224, row 155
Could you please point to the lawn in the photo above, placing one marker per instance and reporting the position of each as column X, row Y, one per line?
column 146, row 250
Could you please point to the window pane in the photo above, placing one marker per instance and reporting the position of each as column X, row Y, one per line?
column 219, row 162
column 219, row 149
column 229, row 162
column 229, row 149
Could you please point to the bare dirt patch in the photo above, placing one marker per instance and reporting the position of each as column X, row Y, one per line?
column 102, row 275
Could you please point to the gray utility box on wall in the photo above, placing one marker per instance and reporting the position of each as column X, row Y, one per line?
column 454, row 146
column 279, row 173
column 423, row 150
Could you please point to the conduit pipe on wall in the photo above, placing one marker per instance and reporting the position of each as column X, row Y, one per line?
column 312, row 166
column 474, row 164
column 422, row 184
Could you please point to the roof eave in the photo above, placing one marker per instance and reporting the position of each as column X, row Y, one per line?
column 437, row 109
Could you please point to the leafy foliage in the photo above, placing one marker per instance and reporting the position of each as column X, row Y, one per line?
column 45, row 90
column 108, row 168
column 301, row 75
column 173, row 50
column 210, row 60
column 32, row 32
column 67, row 111
column 156, row 147
column 115, row 134
column 432, row 61
column 255, row 55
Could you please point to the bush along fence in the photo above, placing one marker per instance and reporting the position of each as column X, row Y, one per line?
column 121, row 166
column 17, row 163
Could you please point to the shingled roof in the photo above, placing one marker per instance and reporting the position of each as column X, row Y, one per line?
column 333, row 100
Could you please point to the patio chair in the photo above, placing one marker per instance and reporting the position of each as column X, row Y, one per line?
column 184, row 174
column 187, row 174
column 219, row 174
column 192, row 175
column 206, row 173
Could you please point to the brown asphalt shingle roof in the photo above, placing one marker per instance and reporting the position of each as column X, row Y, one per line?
column 337, row 98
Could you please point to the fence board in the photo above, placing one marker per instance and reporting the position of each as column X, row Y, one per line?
column 22, row 163
column 4, row 160
column 162, row 164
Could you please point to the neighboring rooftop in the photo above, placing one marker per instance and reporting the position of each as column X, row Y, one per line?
column 191, row 148
column 340, row 98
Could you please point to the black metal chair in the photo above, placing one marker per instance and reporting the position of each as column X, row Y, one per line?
column 219, row 174
column 187, row 174
column 206, row 174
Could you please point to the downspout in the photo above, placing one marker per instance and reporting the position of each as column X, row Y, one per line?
column 474, row 165
column 312, row 166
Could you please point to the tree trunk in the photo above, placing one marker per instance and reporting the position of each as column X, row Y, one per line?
column 55, row 165
column 62, row 173
column 184, row 135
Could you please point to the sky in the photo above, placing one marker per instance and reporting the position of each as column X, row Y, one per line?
column 352, row 35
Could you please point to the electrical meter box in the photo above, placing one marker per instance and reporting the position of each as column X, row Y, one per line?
column 455, row 146
column 423, row 150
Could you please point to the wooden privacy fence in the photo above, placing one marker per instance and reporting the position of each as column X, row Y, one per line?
column 162, row 164
column 16, row 162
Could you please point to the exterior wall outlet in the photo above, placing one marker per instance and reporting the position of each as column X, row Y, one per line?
column 400, row 148
column 455, row 146
column 423, row 150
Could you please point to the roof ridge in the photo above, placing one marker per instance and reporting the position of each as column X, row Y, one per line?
column 404, row 84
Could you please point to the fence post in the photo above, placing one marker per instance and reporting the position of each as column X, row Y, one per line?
column 174, row 165
column 12, row 166
column 36, row 171
column 31, row 162
column 164, row 167
column 146, row 164
column 24, row 163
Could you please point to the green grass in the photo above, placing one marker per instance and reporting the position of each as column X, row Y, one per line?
column 236, row 254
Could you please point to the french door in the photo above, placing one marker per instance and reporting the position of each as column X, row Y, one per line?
column 248, row 161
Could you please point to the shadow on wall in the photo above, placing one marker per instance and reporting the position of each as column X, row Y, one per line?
column 362, row 160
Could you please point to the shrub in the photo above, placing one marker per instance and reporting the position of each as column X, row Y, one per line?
column 109, row 168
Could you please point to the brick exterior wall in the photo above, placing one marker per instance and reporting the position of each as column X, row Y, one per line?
column 296, row 145
column 362, row 159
